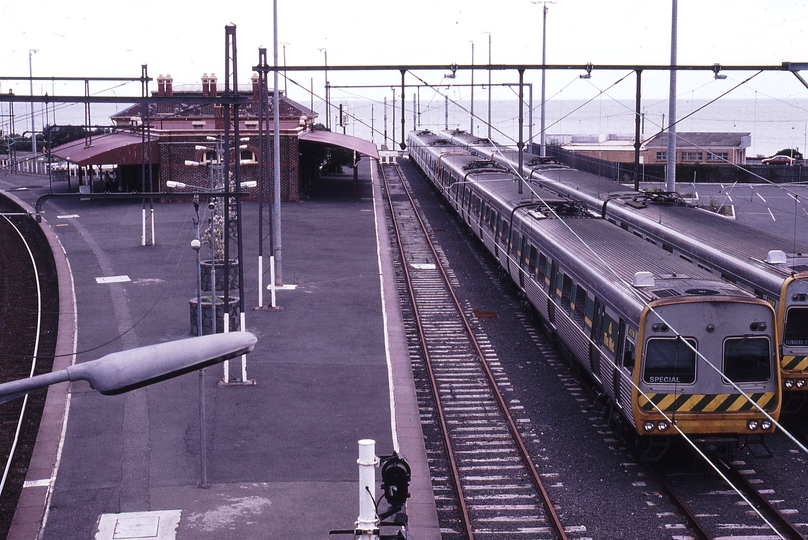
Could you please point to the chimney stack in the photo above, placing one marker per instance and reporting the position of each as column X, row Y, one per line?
column 169, row 86
column 212, row 80
column 161, row 85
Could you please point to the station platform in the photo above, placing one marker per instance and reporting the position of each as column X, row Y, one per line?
column 331, row 367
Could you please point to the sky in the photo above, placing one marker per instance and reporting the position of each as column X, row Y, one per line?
column 113, row 39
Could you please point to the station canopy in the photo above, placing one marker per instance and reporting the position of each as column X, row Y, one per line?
column 331, row 138
column 110, row 149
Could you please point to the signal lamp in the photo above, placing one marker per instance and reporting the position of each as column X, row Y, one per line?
column 396, row 480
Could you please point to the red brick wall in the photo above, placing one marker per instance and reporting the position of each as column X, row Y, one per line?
column 175, row 150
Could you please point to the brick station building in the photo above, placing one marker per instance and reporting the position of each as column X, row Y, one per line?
column 183, row 133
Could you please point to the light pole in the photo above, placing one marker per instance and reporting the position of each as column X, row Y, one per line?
column 489, row 83
column 327, row 107
column 543, row 63
column 123, row 371
column 670, row 171
column 471, row 128
column 31, row 52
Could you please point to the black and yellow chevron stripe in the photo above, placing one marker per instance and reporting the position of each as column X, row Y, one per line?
column 685, row 403
column 798, row 363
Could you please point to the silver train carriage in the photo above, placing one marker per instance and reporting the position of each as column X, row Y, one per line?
column 631, row 315
column 764, row 264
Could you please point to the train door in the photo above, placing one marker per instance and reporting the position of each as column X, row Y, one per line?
column 551, row 293
column 625, row 369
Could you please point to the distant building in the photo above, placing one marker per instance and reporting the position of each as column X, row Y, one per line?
column 711, row 148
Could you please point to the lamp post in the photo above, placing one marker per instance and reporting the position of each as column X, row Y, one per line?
column 543, row 149
column 327, row 107
column 471, row 127
column 670, row 171
column 123, row 371
column 489, row 83
column 31, row 52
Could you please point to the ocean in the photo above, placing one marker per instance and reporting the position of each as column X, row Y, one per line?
column 774, row 124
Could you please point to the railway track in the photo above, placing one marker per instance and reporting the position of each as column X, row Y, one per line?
column 715, row 509
column 486, row 483
column 28, row 321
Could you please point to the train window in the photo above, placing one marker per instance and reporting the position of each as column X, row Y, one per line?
column 531, row 256
column 747, row 359
column 566, row 291
column 628, row 355
column 516, row 245
column 796, row 332
column 590, row 313
column 670, row 360
column 541, row 268
column 580, row 305
column 559, row 285
column 504, row 229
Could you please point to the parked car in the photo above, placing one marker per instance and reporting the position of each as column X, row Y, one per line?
column 780, row 159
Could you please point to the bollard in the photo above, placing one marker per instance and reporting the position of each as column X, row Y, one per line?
column 367, row 524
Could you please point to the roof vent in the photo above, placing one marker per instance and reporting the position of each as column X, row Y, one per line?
column 643, row 279
column 776, row 256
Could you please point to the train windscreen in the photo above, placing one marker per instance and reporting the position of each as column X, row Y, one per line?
column 670, row 361
column 747, row 359
column 796, row 334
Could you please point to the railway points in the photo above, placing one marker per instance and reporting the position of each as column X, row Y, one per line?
column 281, row 454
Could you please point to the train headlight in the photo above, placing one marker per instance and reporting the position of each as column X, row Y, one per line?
column 662, row 426
column 752, row 425
column 800, row 383
column 766, row 424
column 788, row 384
column 648, row 426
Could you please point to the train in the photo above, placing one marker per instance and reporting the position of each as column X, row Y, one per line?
column 672, row 349
column 764, row 264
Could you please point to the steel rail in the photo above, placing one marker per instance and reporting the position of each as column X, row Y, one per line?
column 689, row 514
column 760, row 501
column 34, row 356
column 522, row 448
column 427, row 358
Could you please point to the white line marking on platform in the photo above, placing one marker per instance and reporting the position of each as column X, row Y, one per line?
column 112, row 279
column 45, row 482
column 67, row 216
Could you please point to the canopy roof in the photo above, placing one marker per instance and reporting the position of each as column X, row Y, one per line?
column 345, row 141
column 111, row 149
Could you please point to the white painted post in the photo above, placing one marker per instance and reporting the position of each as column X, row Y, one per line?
column 260, row 281
column 243, row 328
column 272, row 279
column 367, row 524
column 226, row 329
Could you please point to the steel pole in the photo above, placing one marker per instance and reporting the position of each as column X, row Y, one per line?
column 276, row 158
column 670, row 171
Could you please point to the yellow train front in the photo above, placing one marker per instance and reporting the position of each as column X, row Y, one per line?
column 714, row 380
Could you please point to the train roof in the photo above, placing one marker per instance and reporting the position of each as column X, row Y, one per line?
column 623, row 255
column 666, row 214
column 670, row 211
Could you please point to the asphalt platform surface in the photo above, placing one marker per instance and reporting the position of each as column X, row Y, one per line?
column 282, row 452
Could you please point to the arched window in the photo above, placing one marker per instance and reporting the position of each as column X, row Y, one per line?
column 210, row 157
column 248, row 156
